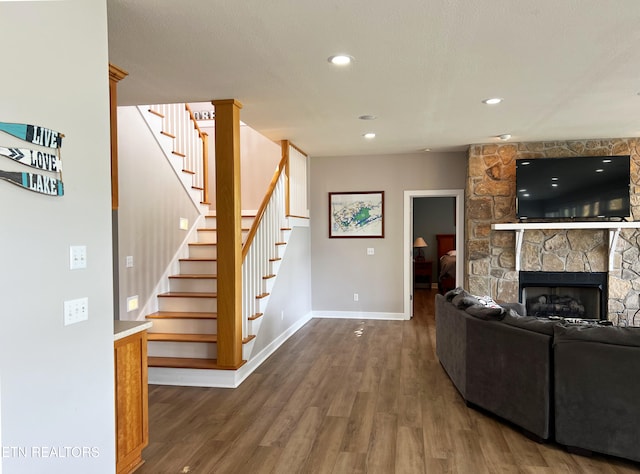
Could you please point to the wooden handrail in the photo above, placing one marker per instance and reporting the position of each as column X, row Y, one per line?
column 205, row 155
column 256, row 222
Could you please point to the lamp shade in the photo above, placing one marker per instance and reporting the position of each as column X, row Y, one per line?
column 420, row 243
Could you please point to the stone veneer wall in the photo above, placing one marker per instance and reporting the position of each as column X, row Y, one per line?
column 491, row 197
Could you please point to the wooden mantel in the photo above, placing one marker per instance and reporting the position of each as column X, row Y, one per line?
column 614, row 229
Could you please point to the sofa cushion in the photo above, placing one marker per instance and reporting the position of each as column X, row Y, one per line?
column 530, row 323
column 620, row 336
column 487, row 313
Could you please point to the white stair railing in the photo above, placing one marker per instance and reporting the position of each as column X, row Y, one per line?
column 189, row 143
column 261, row 254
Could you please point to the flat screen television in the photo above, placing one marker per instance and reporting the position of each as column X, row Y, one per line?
column 575, row 188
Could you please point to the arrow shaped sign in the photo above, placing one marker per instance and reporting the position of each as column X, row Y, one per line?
column 33, row 158
column 33, row 134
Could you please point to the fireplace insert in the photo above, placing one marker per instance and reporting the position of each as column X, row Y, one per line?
column 564, row 294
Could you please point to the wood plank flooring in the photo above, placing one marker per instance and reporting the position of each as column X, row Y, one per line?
column 347, row 396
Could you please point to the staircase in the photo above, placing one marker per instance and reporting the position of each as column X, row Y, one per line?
column 184, row 335
column 184, row 332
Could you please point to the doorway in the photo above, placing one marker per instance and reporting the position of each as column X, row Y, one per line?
column 410, row 202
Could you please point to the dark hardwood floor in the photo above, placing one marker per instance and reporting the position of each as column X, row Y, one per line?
column 347, row 396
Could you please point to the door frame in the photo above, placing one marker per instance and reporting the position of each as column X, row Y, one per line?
column 409, row 196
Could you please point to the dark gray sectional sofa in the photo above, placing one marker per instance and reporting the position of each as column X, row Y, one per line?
column 577, row 385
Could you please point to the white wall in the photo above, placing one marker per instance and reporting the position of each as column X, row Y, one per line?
column 259, row 158
column 152, row 201
column 290, row 300
column 341, row 267
column 57, row 381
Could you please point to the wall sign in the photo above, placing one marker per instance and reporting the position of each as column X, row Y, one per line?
column 45, row 137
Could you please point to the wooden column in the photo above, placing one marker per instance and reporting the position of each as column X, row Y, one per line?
column 229, row 236
column 115, row 75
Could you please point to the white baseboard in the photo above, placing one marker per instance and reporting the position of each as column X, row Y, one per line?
column 358, row 315
column 221, row 378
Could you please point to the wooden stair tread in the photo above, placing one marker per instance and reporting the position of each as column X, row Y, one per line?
column 268, row 277
column 196, row 244
column 188, row 363
column 255, row 316
column 179, row 337
column 187, row 294
column 167, row 134
column 181, row 315
column 275, row 259
column 155, row 112
column 248, row 339
column 196, row 276
column 215, row 229
column 281, row 243
column 179, row 153
column 263, row 295
column 198, row 259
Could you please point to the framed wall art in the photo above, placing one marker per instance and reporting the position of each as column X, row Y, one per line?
column 356, row 214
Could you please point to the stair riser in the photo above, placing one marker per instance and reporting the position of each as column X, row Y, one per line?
column 182, row 349
column 194, row 285
column 206, row 251
column 185, row 326
column 199, row 305
column 275, row 266
column 267, row 285
column 210, row 221
column 198, row 267
column 208, row 236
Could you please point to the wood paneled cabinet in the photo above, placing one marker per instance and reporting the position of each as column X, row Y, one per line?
column 132, row 404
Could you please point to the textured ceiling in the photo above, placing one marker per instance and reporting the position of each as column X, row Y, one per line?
column 567, row 69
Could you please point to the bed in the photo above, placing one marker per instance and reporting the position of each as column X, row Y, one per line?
column 446, row 262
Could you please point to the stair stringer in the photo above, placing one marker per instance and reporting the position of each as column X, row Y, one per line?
column 167, row 145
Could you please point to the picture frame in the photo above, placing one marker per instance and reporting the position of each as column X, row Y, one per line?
column 356, row 215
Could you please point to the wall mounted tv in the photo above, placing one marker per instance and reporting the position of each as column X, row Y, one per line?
column 575, row 188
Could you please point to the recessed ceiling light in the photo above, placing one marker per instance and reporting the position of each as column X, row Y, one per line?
column 367, row 117
column 554, row 179
column 492, row 101
column 525, row 163
column 369, row 135
column 600, row 170
column 554, row 185
column 606, row 161
column 504, row 136
column 427, row 149
column 340, row 59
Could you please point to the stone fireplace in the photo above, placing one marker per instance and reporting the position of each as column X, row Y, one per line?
column 490, row 254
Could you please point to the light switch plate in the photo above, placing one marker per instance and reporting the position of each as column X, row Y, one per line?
column 370, row 251
column 128, row 261
column 77, row 257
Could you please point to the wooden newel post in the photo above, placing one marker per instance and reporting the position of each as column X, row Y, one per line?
column 229, row 236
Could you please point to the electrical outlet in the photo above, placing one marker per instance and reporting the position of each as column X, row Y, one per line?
column 355, row 297
column 76, row 311
column 370, row 251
